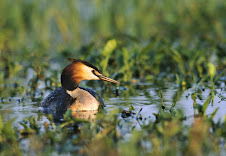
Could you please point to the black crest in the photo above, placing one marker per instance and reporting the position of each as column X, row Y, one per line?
column 84, row 62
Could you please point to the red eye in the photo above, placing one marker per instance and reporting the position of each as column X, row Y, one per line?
column 93, row 71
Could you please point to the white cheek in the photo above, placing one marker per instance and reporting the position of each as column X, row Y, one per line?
column 88, row 74
column 93, row 77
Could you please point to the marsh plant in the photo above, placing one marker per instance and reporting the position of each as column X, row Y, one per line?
column 166, row 55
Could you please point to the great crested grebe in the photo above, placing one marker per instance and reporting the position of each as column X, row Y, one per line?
column 70, row 95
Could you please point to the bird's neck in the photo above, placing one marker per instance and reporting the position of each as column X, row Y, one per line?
column 84, row 100
column 74, row 93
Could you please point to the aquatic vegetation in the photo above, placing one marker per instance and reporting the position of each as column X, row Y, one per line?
column 168, row 57
column 166, row 134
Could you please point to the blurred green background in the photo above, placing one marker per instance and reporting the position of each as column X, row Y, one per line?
column 140, row 38
column 55, row 25
column 181, row 43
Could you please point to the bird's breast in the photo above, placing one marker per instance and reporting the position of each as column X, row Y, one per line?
column 84, row 101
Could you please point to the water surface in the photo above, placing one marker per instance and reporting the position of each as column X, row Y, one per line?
column 141, row 95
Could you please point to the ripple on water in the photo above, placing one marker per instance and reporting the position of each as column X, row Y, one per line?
column 144, row 96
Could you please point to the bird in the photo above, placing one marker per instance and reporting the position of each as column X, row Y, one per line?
column 72, row 97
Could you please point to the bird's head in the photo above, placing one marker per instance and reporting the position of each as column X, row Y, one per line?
column 80, row 70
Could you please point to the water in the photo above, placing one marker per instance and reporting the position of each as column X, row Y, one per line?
column 142, row 95
column 149, row 100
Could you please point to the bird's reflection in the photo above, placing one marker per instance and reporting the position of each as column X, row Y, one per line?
column 84, row 115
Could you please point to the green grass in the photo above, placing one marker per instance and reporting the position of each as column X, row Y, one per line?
column 166, row 135
column 130, row 41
